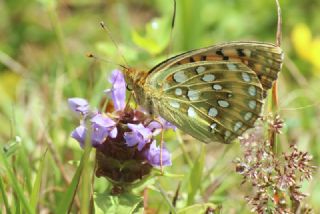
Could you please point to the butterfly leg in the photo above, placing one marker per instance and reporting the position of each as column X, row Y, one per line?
column 131, row 95
column 161, row 147
column 161, row 142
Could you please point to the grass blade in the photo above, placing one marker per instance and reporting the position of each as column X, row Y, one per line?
column 195, row 177
column 85, row 188
column 4, row 196
column 167, row 200
column 66, row 201
column 15, row 184
column 37, row 184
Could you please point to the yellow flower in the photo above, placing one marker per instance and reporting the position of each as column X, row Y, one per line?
column 306, row 47
column 301, row 39
column 315, row 53
column 9, row 81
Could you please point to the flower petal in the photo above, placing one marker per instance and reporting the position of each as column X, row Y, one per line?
column 103, row 121
column 118, row 90
column 114, row 132
column 153, row 155
column 142, row 144
column 79, row 134
column 155, row 127
column 166, row 124
column 79, row 105
column 143, row 131
column 99, row 134
column 132, row 138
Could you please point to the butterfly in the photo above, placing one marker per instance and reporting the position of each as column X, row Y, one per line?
column 215, row 93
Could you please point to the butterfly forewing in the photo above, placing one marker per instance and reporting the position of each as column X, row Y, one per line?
column 263, row 58
column 211, row 101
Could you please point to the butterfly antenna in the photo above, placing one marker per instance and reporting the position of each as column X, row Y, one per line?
column 172, row 27
column 105, row 28
column 90, row 55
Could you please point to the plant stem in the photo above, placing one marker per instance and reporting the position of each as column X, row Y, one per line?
column 274, row 108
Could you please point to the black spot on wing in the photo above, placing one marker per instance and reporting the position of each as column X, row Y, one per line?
column 219, row 52
column 240, row 52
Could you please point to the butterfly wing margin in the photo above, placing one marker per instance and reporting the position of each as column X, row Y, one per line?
column 211, row 101
column 265, row 59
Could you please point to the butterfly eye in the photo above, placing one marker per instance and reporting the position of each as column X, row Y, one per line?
column 129, row 87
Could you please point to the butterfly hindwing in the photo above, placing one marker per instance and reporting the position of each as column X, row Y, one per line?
column 211, row 101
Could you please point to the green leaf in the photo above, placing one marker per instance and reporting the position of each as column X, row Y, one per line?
column 188, row 28
column 200, row 208
column 144, row 183
column 15, row 184
column 49, row 4
column 195, row 178
column 127, row 203
column 167, row 200
column 170, row 175
column 156, row 36
column 66, row 201
column 37, row 183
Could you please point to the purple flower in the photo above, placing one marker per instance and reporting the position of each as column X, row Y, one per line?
column 79, row 134
column 167, row 125
column 118, row 90
column 157, row 126
column 153, row 155
column 79, row 105
column 101, row 127
column 140, row 136
column 103, row 121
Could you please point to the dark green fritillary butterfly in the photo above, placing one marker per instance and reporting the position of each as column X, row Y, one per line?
column 214, row 94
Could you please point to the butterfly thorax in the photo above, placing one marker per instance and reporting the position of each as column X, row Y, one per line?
column 135, row 80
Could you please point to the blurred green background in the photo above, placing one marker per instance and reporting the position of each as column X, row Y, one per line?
column 43, row 47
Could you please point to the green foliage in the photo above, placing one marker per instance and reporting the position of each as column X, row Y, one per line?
column 156, row 37
column 43, row 47
column 199, row 208
column 195, row 178
column 35, row 194
column 125, row 203
column 66, row 201
column 15, row 183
